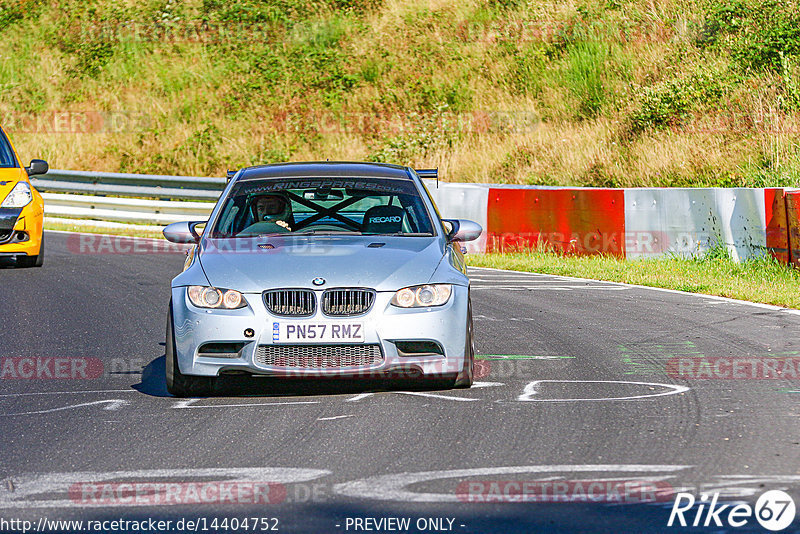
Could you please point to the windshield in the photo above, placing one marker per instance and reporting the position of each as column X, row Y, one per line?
column 363, row 206
column 7, row 158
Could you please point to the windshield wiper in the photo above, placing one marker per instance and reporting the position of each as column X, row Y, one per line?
column 325, row 232
column 244, row 236
column 405, row 234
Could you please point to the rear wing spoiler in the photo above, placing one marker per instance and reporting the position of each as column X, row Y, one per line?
column 430, row 174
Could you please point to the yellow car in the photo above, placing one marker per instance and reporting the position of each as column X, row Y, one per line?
column 21, row 208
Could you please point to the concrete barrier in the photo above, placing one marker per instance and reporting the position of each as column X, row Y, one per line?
column 462, row 201
column 792, row 198
column 777, row 231
column 577, row 220
column 687, row 221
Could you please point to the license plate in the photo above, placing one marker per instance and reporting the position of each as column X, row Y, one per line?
column 305, row 332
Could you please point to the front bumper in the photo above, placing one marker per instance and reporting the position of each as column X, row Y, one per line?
column 28, row 220
column 384, row 324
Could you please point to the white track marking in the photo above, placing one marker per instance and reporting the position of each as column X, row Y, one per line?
column 393, row 487
column 435, row 396
column 112, row 404
column 190, row 404
column 70, row 392
column 748, row 485
column 525, row 280
column 526, row 358
column 334, row 417
column 486, row 384
column 673, row 291
column 359, row 397
column 531, row 389
column 520, row 288
column 548, row 288
column 27, row 486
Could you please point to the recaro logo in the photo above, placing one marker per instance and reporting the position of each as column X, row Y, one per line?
column 393, row 219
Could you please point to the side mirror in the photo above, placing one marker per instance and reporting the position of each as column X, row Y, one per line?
column 462, row 230
column 183, row 232
column 38, row 166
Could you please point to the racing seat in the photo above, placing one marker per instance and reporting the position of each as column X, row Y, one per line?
column 383, row 220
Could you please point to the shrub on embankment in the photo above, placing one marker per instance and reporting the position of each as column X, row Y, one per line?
column 592, row 92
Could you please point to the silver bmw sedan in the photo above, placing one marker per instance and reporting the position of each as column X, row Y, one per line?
column 321, row 270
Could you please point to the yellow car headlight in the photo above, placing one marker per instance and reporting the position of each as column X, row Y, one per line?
column 19, row 197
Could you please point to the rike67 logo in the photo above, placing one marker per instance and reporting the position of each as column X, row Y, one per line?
column 774, row 510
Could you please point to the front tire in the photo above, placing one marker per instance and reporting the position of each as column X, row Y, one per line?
column 179, row 384
column 465, row 378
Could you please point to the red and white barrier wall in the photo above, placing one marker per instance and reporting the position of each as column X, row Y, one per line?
column 462, row 201
column 792, row 204
column 628, row 223
column 687, row 221
column 583, row 221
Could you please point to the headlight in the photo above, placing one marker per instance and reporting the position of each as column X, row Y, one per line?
column 212, row 297
column 422, row 296
column 19, row 197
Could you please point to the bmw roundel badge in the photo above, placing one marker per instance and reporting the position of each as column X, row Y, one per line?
column 318, row 281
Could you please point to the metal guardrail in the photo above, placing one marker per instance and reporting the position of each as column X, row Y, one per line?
column 118, row 199
column 127, row 198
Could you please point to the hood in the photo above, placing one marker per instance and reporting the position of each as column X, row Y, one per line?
column 343, row 261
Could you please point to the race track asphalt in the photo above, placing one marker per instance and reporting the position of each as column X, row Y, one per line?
column 577, row 383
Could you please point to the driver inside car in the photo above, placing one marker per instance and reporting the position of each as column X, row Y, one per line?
column 272, row 213
column 275, row 209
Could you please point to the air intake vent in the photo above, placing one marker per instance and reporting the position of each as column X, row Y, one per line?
column 318, row 356
column 347, row 302
column 220, row 350
column 290, row 302
column 418, row 348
